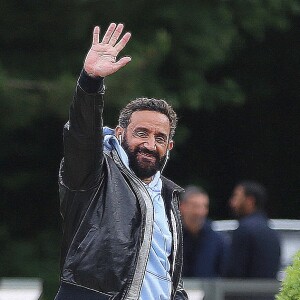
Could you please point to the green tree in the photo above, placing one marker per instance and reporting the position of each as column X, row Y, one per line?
column 290, row 286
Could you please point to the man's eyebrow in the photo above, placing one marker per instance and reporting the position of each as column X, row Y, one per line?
column 161, row 134
column 141, row 128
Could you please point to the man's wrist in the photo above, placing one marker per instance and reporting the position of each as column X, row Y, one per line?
column 90, row 84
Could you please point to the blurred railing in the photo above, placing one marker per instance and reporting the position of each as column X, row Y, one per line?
column 231, row 289
column 197, row 289
column 20, row 288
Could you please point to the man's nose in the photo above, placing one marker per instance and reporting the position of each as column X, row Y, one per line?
column 150, row 143
column 231, row 202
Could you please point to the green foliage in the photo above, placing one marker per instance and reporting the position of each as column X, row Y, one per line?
column 24, row 100
column 174, row 54
column 290, row 286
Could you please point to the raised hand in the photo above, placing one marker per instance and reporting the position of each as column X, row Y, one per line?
column 101, row 59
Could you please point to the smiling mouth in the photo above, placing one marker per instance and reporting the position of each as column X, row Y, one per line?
column 147, row 156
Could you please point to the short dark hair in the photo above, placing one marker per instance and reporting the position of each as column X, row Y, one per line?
column 149, row 104
column 192, row 190
column 256, row 190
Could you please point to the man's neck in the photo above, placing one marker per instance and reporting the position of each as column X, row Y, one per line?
column 147, row 180
column 194, row 228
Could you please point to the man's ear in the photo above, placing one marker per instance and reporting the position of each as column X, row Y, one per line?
column 119, row 131
column 251, row 202
column 171, row 145
column 119, row 134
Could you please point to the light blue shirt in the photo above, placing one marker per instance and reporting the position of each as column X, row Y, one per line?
column 157, row 283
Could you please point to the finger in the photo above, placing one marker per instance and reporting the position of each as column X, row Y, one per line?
column 122, row 43
column 96, row 33
column 115, row 36
column 108, row 33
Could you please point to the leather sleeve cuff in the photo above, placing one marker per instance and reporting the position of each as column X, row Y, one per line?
column 90, row 84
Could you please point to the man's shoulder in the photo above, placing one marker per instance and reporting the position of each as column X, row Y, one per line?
column 255, row 219
column 253, row 224
column 169, row 190
column 170, row 185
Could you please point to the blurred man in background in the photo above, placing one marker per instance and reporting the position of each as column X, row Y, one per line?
column 255, row 247
column 203, row 249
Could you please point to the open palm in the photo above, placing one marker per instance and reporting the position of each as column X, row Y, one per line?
column 101, row 59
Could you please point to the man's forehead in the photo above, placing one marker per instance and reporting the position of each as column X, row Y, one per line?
column 199, row 198
column 239, row 189
column 149, row 119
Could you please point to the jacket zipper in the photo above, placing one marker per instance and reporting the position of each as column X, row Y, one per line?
column 141, row 186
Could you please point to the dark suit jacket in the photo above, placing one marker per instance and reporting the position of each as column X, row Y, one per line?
column 255, row 249
column 203, row 254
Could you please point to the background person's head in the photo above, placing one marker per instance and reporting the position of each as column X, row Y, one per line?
column 194, row 208
column 247, row 197
column 146, row 128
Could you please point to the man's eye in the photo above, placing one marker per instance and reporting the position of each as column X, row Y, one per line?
column 160, row 140
column 141, row 134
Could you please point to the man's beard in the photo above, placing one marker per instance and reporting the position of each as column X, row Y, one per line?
column 141, row 166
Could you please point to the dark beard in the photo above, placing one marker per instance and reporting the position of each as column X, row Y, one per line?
column 142, row 168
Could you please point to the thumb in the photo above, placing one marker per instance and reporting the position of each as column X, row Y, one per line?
column 123, row 62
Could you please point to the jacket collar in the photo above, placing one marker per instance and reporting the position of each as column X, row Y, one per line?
column 169, row 189
column 170, row 186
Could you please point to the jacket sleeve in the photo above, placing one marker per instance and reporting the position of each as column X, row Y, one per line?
column 82, row 163
column 181, row 293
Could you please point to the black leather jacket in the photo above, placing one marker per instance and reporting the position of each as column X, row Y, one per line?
column 107, row 212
